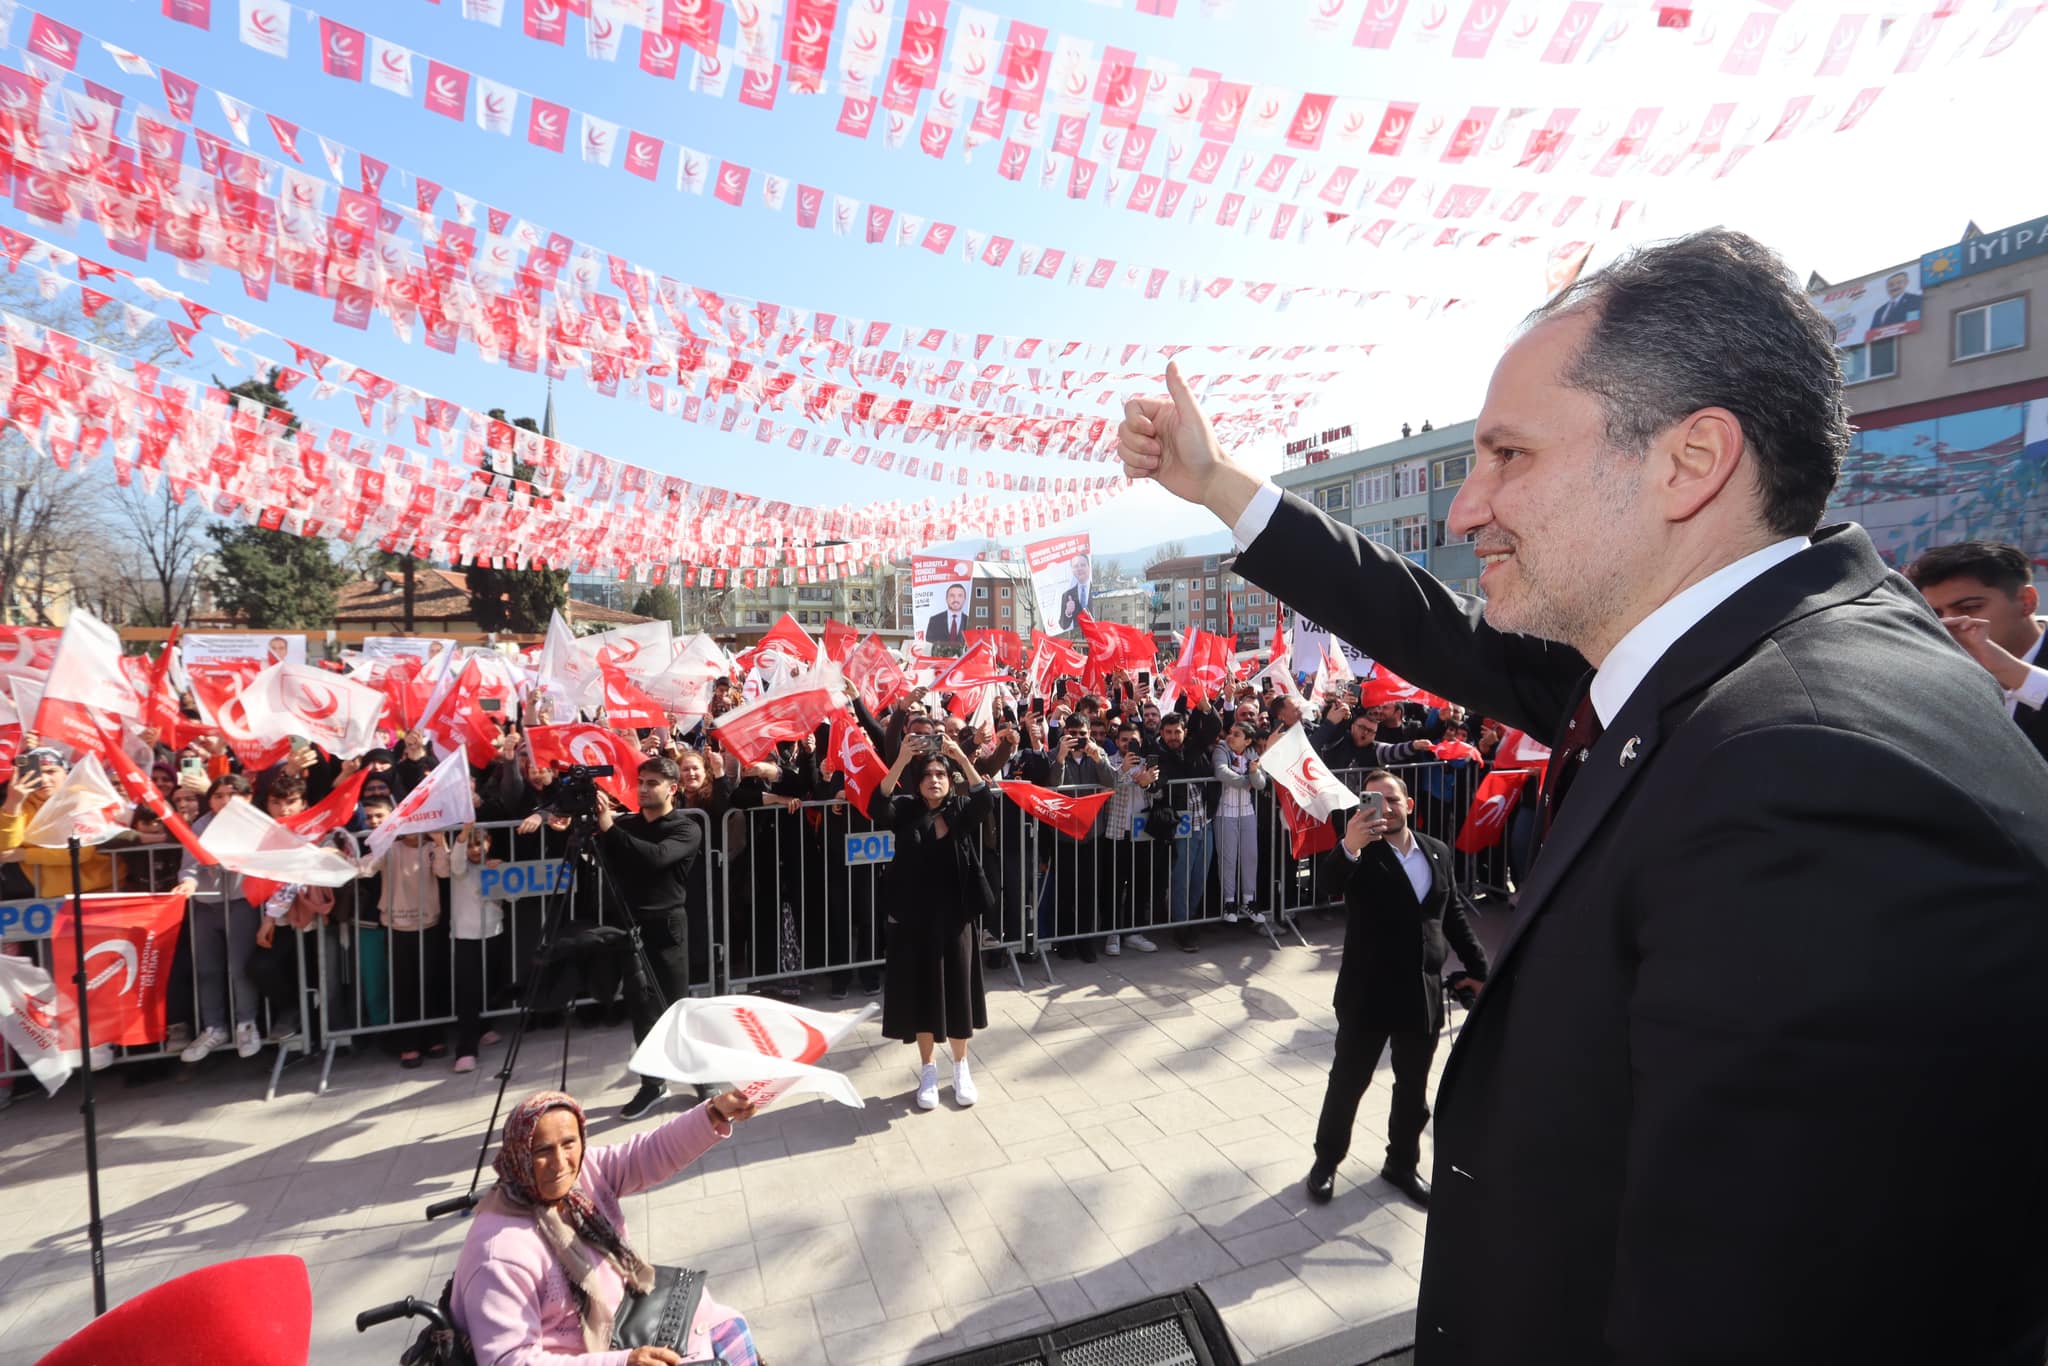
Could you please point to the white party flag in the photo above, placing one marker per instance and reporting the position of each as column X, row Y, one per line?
column 445, row 799
column 247, row 840
column 29, row 1023
column 84, row 804
column 766, row 1048
column 1290, row 762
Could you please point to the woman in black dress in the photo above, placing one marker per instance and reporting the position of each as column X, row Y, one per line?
column 934, row 898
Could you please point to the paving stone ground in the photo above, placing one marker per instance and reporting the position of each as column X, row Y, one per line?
column 1145, row 1123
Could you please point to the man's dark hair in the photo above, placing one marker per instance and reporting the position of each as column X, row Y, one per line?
column 382, row 799
column 1991, row 563
column 1173, row 718
column 285, row 786
column 1715, row 320
column 661, row 766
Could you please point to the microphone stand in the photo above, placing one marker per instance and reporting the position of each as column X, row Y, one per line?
column 95, row 1230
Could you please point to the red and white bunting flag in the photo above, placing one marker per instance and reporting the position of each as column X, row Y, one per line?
column 752, row 730
column 246, row 840
column 767, row 1048
column 445, row 799
column 1070, row 815
column 447, row 90
column 341, row 50
column 876, row 674
column 86, row 684
column 626, row 707
column 83, row 806
column 338, row 714
column 267, row 26
column 851, row 751
column 1492, row 804
column 391, row 67
column 594, row 747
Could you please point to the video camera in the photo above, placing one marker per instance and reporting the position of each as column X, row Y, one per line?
column 574, row 791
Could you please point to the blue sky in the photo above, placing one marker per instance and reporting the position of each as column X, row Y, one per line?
column 1936, row 151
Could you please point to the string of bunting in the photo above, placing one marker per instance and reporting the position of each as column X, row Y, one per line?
column 71, row 400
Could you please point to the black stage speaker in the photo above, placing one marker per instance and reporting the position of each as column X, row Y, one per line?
column 1181, row 1329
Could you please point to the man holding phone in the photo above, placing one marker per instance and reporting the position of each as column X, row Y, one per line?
column 1402, row 914
column 1079, row 765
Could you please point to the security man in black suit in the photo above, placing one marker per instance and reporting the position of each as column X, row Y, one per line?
column 1984, row 593
column 1403, row 914
column 1757, row 1074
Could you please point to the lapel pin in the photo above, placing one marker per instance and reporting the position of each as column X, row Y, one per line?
column 1628, row 751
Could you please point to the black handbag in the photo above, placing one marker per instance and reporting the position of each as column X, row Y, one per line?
column 661, row 1317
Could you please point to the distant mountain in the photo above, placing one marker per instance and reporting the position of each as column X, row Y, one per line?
column 1133, row 562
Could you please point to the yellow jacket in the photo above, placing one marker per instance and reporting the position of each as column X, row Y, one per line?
column 49, row 870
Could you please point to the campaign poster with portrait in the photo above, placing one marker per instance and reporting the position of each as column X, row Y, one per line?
column 941, row 602
column 1872, row 309
column 263, row 648
column 433, row 652
column 1059, row 580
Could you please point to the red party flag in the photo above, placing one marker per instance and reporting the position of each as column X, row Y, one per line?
column 791, row 712
column 839, row 641
column 128, row 944
column 1070, row 815
column 851, row 751
column 626, row 706
column 592, row 746
column 1492, row 804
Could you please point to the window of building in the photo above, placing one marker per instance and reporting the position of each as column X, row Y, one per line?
column 1212, row 604
column 1212, row 583
column 1877, row 360
column 1209, row 562
column 1380, row 532
column 1993, row 328
column 1411, row 534
column 1374, row 488
column 1333, row 497
column 1003, row 592
column 1446, row 536
column 1411, row 477
column 981, row 590
column 981, row 614
column 1452, row 471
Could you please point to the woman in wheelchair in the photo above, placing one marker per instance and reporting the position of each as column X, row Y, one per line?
column 546, row 1264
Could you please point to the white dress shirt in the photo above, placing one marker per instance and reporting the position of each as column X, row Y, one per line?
column 2034, row 691
column 1637, row 652
column 1414, row 863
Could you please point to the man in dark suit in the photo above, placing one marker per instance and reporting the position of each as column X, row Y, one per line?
column 948, row 629
column 1901, row 306
column 1984, row 593
column 1763, row 1028
column 1402, row 915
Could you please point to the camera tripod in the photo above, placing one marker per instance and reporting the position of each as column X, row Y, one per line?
column 551, row 954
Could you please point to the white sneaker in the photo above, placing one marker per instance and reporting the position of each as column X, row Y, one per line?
column 928, row 1087
column 1256, row 917
column 1141, row 943
column 177, row 1038
column 1230, row 912
column 208, row 1040
column 963, row 1084
column 1114, row 945
column 248, row 1043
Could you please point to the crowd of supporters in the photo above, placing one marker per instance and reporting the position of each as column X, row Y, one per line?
column 1188, row 837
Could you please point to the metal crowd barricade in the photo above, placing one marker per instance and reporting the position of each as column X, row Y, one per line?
column 412, row 982
column 1154, row 872
column 802, row 892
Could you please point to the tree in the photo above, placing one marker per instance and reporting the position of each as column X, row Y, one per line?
column 273, row 579
column 518, row 600
column 48, row 515
column 164, row 540
column 659, row 602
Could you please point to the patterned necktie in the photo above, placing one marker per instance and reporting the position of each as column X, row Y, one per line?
column 1580, row 735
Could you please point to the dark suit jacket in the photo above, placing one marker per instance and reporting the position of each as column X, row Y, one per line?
column 1756, row 1077
column 1394, row 946
column 935, row 632
column 1892, row 312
